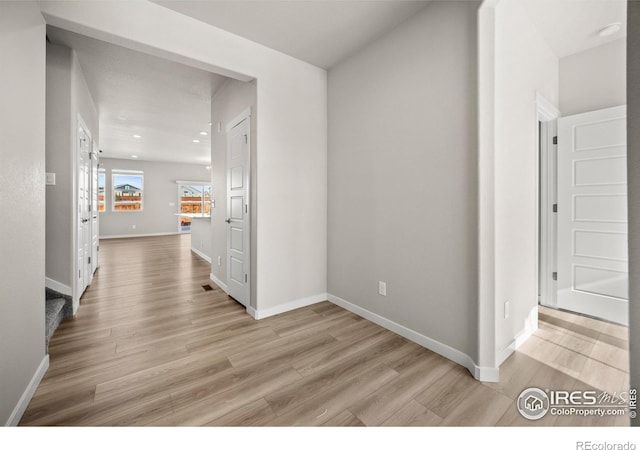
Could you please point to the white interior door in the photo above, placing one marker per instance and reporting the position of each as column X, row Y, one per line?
column 84, row 213
column 238, row 261
column 592, row 214
column 95, row 241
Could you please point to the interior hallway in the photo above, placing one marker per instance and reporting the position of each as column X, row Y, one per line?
column 150, row 346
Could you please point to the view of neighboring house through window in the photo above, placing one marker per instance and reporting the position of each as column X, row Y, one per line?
column 194, row 201
column 128, row 186
column 102, row 178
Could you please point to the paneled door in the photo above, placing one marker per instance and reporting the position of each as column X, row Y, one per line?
column 238, row 224
column 84, row 212
column 95, row 240
column 592, row 214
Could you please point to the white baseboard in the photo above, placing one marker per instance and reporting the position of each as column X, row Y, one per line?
column 285, row 307
column 486, row 374
column 530, row 327
column 489, row 374
column 121, row 236
column 21, row 407
column 219, row 282
column 201, row 255
column 57, row 286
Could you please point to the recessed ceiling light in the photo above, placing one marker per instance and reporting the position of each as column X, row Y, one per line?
column 208, row 167
column 610, row 29
column 196, row 141
column 203, row 133
column 209, row 123
column 136, row 136
column 134, row 156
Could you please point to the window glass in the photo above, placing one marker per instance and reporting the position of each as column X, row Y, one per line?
column 102, row 179
column 128, row 188
column 195, row 199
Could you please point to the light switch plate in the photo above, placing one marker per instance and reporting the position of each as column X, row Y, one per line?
column 51, row 179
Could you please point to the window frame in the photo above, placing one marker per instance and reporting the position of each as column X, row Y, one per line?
column 131, row 173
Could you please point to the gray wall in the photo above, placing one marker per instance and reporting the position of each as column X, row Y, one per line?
column 160, row 190
column 58, row 160
column 230, row 101
column 68, row 97
column 633, row 185
column 402, row 180
column 22, row 196
column 593, row 79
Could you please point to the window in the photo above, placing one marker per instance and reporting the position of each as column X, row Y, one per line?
column 195, row 200
column 102, row 178
column 128, row 187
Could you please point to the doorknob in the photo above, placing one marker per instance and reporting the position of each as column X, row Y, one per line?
column 228, row 220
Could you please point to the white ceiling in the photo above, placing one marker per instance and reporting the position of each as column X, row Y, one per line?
column 320, row 32
column 166, row 103
column 571, row 26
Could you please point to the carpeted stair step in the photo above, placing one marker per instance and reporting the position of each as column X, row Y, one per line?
column 54, row 315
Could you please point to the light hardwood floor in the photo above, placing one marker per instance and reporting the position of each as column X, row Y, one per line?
column 149, row 346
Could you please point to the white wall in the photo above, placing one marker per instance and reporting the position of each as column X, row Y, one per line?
column 68, row 97
column 403, row 177
column 22, row 196
column 292, row 130
column 524, row 65
column 593, row 79
column 231, row 100
column 158, row 215
column 201, row 237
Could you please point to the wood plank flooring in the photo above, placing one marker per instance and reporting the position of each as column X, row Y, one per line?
column 149, row 346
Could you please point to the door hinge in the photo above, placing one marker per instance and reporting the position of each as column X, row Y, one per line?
column 89, row 260
column 98, row 248
column 245, row 278
column 246, row 139
column 79, row 273
column 555, row 140
column 555, row 276
column 555, row 207
column 246, row 208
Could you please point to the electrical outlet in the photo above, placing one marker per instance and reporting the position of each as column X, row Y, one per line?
column 506, row 310
column 219, row 260
column 382, row 288
column 133, row 226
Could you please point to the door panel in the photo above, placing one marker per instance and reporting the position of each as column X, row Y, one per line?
column 84, row 213
column 95, row 240
column 592, row 214
column 238, row 230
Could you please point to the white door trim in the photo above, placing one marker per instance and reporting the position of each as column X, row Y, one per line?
column 244, row 115
column 547, row 115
